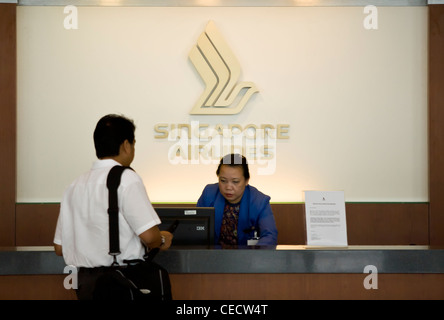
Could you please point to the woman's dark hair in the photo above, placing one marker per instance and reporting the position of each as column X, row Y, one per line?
column 111, row 131
column 235, row 160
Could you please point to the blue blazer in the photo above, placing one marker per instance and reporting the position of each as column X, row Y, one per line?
column 255, row 211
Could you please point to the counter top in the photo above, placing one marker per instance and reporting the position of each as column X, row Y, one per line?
column 280, row 259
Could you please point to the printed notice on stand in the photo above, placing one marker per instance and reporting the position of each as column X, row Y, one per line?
column 325, row 218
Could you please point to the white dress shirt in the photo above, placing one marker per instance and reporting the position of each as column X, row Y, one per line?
column 82, row 226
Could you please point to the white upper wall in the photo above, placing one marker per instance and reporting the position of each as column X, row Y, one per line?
column 355, row 100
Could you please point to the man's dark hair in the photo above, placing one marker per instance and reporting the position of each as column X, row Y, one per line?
column 111, row 131
column 235, row 160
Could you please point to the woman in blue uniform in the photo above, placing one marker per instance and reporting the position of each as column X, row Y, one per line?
column 241, row 211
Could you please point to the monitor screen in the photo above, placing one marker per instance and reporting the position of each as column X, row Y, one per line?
column 195, row 228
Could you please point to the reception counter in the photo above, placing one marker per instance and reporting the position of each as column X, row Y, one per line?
column 282, row 272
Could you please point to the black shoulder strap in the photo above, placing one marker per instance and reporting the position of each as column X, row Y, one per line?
column 112, row 183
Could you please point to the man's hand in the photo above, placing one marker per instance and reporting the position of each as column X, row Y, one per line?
column 168, row 240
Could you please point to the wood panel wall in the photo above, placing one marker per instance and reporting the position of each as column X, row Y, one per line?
column 305, row 286
column 436, row 123
column 251, row 287
column 7, row 123
column 368, row 223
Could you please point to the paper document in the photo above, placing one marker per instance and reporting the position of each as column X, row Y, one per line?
column 325, row 218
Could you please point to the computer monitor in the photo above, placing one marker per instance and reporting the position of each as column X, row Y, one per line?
column 195, row 228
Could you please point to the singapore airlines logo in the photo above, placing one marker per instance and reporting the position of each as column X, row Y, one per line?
column 220, row 70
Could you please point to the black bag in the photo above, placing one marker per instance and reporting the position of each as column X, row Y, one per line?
column 138, row 279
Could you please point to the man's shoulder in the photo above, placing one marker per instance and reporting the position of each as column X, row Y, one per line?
column 130, row 176
column 99, row 176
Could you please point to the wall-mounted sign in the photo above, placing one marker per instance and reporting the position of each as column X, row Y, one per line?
column 220, row 70
column 224, row 94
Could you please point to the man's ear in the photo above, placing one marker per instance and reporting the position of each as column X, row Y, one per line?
column 125, row 148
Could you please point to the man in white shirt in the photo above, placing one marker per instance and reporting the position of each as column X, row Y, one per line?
column 82, row 235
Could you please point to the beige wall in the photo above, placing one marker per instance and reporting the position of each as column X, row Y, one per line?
column 355, row 99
